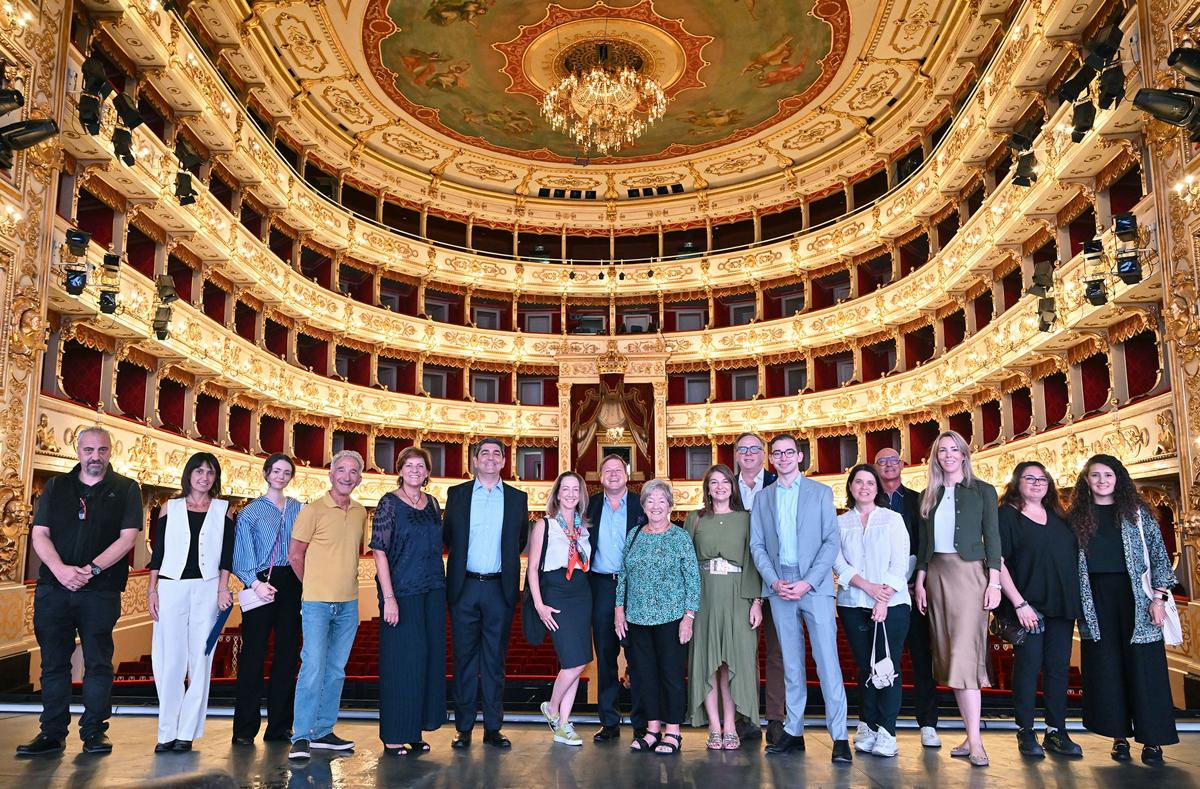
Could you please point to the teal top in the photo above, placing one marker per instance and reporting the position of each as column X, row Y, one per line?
column 659, row 578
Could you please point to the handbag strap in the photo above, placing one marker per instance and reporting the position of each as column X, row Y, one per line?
column 1147, row 586
column 545, row 543
column 887, row 650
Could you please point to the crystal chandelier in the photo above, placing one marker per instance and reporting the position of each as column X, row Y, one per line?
column 603, row 105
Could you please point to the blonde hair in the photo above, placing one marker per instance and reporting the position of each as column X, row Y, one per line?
column 937, row 478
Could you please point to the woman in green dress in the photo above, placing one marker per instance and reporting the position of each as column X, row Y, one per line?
column 723, row 661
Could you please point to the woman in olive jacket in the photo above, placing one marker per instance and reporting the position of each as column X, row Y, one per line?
column 958, row 578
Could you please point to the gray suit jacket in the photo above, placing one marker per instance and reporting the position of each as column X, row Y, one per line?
column 817, row 532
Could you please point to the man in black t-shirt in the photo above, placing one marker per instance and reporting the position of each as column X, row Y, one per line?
column 86, row 524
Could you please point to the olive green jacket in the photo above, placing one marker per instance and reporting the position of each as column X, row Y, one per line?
column 976, row 526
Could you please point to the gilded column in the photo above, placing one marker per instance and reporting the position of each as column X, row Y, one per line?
column 661, row 469
column 565, row 449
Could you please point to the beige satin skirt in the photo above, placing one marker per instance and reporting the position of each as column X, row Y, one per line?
column 958, row 625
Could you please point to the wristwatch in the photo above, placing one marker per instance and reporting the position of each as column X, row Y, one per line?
column 96, row 569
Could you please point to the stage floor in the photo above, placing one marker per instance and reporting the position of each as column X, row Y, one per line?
column 536, row 761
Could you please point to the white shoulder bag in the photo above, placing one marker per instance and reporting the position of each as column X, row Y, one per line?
column 1172, row 629
column 883, row 672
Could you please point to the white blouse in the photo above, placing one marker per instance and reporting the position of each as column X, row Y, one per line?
column 878, row 553
column 558, row 547
column 943, row 523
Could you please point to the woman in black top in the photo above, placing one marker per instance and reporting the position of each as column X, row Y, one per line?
column 1040, row 577
column 1125, row 581
column 189, row 585
column 406, row 537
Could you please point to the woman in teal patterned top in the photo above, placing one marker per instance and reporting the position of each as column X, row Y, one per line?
column 658, row 594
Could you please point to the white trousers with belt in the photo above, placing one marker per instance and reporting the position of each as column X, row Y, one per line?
column 187, row 611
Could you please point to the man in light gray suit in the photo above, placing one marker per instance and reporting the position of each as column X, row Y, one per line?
column 794, row 539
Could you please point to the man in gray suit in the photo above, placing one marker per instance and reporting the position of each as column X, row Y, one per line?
column 794, row 539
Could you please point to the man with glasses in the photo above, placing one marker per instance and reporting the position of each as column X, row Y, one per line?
column 752, row 476
column 794, row 539
column 907, row 502
column 86, row 523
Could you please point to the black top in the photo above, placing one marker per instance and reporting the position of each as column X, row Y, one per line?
column 412, row 540
column 84, row 520
column 1043, row 561
column 191, row 567
column 1106, row 551
column 907, row 502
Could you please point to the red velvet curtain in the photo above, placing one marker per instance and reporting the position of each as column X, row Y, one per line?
column 81, row 373
column 131, row 390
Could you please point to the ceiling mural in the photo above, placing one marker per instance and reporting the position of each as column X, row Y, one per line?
column 476, row 70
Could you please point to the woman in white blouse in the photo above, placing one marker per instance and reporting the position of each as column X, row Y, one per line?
column 872, row 569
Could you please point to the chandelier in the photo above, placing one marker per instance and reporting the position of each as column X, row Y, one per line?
column 604, row 102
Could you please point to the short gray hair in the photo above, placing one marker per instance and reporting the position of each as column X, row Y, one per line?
column 662, row 486
column 93, row 429
column 348, row 453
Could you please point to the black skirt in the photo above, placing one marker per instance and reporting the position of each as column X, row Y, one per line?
column 1126, row 690
column 573, row 599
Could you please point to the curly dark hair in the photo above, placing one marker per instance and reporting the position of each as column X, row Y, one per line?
column 1012, row 493
column 1125, row 495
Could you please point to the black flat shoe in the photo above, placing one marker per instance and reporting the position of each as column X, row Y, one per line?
column 496, row 739
column 97, row 743
column 785, row 743
column 607, row 734
column 774, row 730
column 1152, row 754
column 461, row 740
column 40, row 746
column 243, row 740
column 841, row 752
column 164, row 747
column 1027, row 743
column 1059, row 742
column 183, row 746
column 1120, row 752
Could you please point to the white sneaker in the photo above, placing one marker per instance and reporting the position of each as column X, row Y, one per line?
column 885, row 744
column 864, row 738
column 930, row 738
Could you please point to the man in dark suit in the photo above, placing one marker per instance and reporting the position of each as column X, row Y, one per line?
column 907, row 502
column 612, row 513
column 485, row 532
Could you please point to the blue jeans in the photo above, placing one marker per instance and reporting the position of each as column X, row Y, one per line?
column 329, row 630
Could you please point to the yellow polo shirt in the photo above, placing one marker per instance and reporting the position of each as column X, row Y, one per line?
column 333, row 535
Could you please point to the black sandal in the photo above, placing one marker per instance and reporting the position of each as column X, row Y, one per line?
column 671, row 747
column 646, row 743
column 400, row 750
column 420, row 746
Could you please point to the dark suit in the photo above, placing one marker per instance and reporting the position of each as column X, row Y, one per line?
column 481, row 611
column 604, row 635
column 925, row 707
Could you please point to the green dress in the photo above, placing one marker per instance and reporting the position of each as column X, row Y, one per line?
column 722, row 633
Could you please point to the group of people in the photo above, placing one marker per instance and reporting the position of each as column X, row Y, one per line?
column 611, row 572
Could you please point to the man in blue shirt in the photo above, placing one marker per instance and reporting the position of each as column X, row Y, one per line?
column 485, row 530
column 612, row 513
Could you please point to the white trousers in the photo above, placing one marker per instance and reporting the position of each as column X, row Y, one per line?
column 187, row 611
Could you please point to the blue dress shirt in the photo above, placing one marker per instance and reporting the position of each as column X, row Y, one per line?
column 487, row 524
column 786, row 500
column 610, row 540
column 262, row 529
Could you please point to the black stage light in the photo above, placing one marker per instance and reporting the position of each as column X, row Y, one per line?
column 112, row 264
column 188, row 158
column 165, row 285
column 128, row 112
column 77, row 241
column 1020, row 143
column 1176, row 106
column 1046, row 313
column 123, row 145
column 1186, row 60
column 183, row 188
column 162, row 322
column 1112, row 87
column 75, row 280
column 95, row 78
column 1093, row 253
column 1104, row 48
column 1077, row 84
column 1129, row 268
column 1025, row 174
column 89, row 113
column 1083, row 118
column 10, row 100
column 1043, row 278
column 1125, row 227
column 108, row 301
column 23, row 134
column 1095, row 292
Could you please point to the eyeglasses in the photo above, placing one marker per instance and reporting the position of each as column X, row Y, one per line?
column 784, row 453
column 749, row 450
column 1028, row 480
column 889, row 462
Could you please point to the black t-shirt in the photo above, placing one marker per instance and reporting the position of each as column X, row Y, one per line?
column 1106, row 550
column 84, row 520
column 1043, row 561
column 191, row 566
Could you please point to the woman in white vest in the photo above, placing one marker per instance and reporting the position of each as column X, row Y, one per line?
column 189, row 586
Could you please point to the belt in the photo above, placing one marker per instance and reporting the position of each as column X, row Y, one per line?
column 719, row 566
column 613, row 576
column 484, row 576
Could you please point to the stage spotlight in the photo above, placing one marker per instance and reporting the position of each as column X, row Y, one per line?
column 1043, row 278
column 1176, row 106
column 1186, row 60
column 1125, row 227
column 89, row 113
column 123, row 145
column 183, row 188
column 1046, row 314
column 1019, row 143
column 1095, row 292
column 162, row 322
column 77, row 241
column 1104, row 48
column 165, row 285
column 1129, row 268
column 112, row 264
column 1025, row 174
column 75, row 280
column 108, row 301
column 128, row 112
column 1083, row 118
column 21, row 135
column 1112, row 87
column 1093, row 254
column 95, row 78
column 10, row 100
column 188, row 159
column 1077, row 84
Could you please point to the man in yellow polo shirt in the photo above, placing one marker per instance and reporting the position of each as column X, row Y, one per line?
column 325, row 541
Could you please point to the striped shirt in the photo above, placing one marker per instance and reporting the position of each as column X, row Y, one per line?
column 258, row 528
